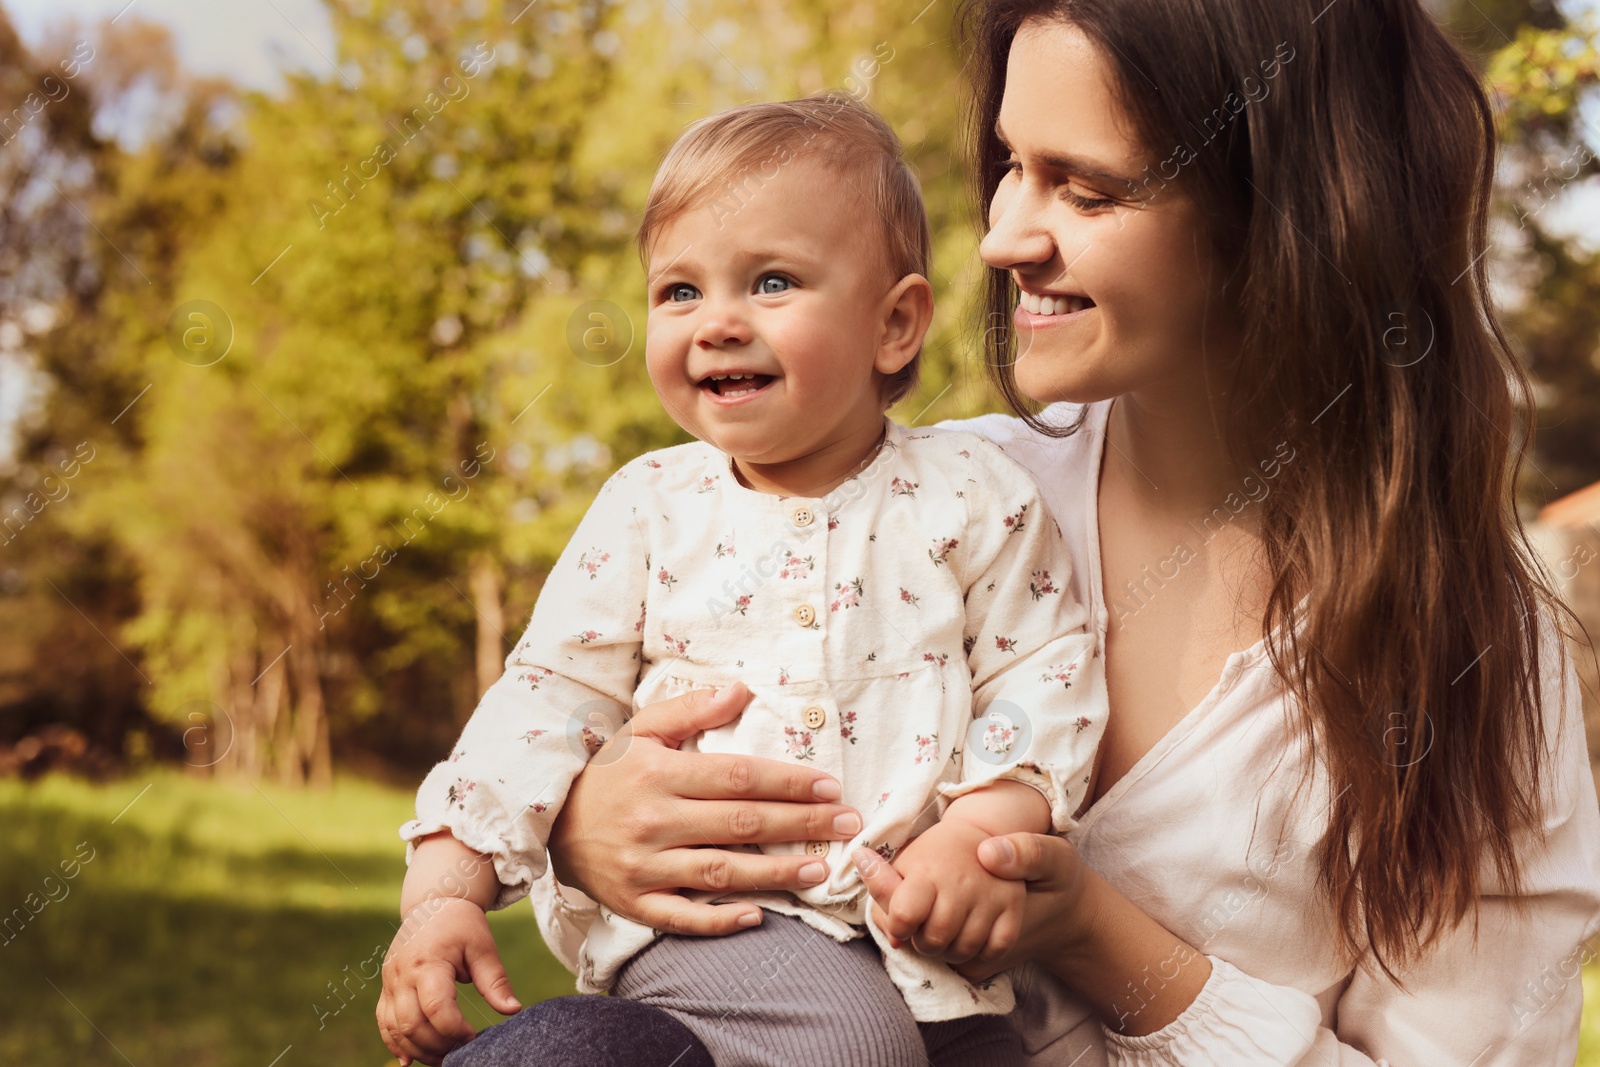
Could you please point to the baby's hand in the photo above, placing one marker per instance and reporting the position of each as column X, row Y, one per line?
column 444, row 940
column 946, row 902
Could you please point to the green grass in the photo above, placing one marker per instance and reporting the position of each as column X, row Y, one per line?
column 209, row 923
column 211, row 919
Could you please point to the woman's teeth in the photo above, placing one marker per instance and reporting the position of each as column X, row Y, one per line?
column 1053, row 305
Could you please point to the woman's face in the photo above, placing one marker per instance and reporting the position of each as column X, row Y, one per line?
column 1116, row 275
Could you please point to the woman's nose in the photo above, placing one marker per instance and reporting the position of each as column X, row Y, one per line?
column 1017, row 238
column 723, row 322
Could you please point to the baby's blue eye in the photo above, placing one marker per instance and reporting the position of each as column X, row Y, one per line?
column 679, row 293
column 773, row 283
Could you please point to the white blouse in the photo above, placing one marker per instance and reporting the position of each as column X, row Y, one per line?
column 908, row 633
column 1204, row 834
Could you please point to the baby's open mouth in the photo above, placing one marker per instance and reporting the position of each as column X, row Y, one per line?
column 736, row 384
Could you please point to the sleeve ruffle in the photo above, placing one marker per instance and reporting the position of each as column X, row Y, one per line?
column 1237, row 1020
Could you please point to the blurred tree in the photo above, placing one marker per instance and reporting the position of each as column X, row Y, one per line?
column 1542, row 70
column 69, row 284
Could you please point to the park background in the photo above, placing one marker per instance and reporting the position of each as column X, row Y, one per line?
column 232, row 366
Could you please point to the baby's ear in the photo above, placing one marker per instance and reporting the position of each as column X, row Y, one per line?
column 907, row 314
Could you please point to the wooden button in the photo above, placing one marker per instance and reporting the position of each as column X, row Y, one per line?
column 817, row 848
column 803, row 516
column 815, row 716
column 805, row 614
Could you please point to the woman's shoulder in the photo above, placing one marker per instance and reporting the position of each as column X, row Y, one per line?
column 1047, row 457
column 1063, row 467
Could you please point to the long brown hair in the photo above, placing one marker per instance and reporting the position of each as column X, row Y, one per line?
column 1351, row 203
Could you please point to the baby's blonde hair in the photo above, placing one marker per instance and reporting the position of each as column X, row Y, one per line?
column 721, row 160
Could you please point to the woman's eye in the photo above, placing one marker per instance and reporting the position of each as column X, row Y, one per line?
column 1009, row 166
column 1085, row 203
column 772, row 283
column 677, row 294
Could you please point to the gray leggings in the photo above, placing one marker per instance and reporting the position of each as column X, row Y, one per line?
column 775, row 995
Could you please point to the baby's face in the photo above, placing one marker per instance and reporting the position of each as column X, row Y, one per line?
column 784, row 287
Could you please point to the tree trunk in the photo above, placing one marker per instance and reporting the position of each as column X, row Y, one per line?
column 485, row 581
column 310, row 712
column 269, row 705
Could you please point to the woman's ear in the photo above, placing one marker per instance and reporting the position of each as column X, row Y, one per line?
column 907, row 314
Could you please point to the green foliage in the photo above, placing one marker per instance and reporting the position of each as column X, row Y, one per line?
column 1539, row 77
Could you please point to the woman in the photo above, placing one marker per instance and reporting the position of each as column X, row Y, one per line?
column 1342, row 813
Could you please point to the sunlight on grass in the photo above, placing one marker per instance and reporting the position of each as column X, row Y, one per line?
column 210, row 924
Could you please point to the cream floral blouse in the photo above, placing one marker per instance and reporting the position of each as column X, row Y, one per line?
column 909, row 633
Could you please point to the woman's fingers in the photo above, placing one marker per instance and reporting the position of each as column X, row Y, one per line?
column 1040, row 858
column 717, row 870
column 721, row 776
column 674, row 914
column 674, row 721
column 879, row 876
column 734, row 822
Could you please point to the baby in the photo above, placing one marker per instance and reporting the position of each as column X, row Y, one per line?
column 894, row 600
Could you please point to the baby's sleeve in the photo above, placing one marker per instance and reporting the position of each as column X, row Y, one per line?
column 568, row 685
column 1038, row 691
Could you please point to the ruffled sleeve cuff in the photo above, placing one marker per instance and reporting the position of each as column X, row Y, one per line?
column 1236, row 1019
column 511, row 868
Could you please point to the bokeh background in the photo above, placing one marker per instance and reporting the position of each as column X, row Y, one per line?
column 320, row 323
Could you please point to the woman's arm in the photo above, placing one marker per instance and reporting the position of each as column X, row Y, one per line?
column 643, row 820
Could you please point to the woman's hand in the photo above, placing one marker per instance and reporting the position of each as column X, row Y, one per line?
column 1051, row 912
column 643, row 819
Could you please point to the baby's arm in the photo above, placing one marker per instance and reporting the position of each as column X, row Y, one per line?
column 443, row 938
column 484, row 815
column 567, row 687
column 1002, row 807
column 1038, row 691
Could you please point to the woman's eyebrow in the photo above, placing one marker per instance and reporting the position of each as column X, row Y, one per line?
column 1065, row 161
